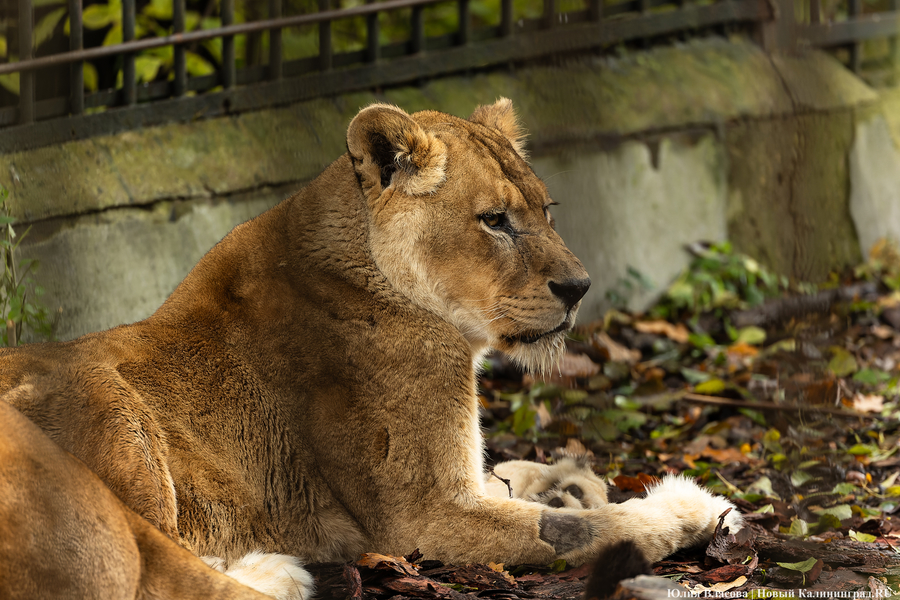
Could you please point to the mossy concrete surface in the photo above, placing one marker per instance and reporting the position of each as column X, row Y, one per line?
column 646, row 151
column 114, row 267
column 788, row 183
column 636, row 207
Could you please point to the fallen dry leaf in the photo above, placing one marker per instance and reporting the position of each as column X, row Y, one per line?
column 637, row 484
column 721, row 587
column 613, row 350
column 868, row 403
column 677, row 333
column 727, row 455
column 398, row 564
column 577, row 365
column 576, row 448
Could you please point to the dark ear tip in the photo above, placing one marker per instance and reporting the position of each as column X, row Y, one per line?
column 622, row 560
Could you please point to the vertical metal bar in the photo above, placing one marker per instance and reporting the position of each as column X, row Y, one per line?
column 549, row 14
column 596, row 10
column 129, row 85
column 506, row 17
column 373, row 33
column 778, row 33
column 228, row 64
column 26, row 78
column 853, row 10
column 815, row 11
column 892, row 41
column 418, row 29
column 325, row 52
column 465, row 22
column 76, row 69
column 180, row 59
column 275, row 68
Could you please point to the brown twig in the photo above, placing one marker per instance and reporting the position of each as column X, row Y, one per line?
column 718, row 401
column 790, row 307
column 506, row 481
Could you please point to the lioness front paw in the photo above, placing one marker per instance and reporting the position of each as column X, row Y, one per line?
column 276, row 575
column 697, row 508
column 568, row 483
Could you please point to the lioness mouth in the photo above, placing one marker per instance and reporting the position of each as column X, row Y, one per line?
column 531, row 339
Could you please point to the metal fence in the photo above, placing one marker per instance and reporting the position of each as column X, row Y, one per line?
column 504, row 32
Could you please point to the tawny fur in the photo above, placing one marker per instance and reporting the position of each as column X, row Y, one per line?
column 64, row 535
column 309, row 389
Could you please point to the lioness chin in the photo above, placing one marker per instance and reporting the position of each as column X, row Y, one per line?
column 309, row 389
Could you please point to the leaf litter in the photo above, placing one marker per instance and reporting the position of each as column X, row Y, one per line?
column 781, row 396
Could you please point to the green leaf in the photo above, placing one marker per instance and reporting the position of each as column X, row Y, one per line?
column 768, row 508
column 828, row 522
column 843, row 489
column 45, row 27
column 90, row 76
column 799, row 528
column 558, row 566
column 146, row 67
column 694, row 376
column 802, row 567
column 10, row 81
column 842, row 363
column 800, row 477
column 753, row 336
column 763, row 486
column 701, row 340
column 197, row 66
column 871, row 376
column 711, row 387
column 841, row 511
column 113, row 36
column 861, row 537
column 861, row 450
column 97, row 16
column 160, row 10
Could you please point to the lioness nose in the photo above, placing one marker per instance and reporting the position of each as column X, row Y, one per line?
column 570, row 291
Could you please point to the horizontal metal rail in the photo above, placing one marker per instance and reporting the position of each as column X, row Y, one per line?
column 352, row 72
column 180, row 39
column 840, row 33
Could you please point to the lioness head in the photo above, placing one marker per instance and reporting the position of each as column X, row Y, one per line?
column 460, row 224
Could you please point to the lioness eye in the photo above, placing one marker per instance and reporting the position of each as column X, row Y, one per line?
column 494, row 220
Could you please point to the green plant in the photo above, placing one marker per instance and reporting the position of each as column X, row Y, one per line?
column 719, row 278
column 20, row 308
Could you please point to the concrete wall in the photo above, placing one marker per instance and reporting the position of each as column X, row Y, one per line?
column 792, row 158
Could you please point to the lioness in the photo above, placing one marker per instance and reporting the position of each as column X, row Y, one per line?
column 308, row 390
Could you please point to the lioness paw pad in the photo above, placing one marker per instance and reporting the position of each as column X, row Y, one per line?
column 276, row 575
column 694, row 505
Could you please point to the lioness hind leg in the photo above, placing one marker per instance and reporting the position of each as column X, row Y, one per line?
column 568, row 483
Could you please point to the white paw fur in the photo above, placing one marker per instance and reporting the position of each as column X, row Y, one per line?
column 689, row 502
column 276, row 575
column 570, row 482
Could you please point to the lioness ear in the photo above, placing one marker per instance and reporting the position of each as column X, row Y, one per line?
column 387, row 146
column 502, row 116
